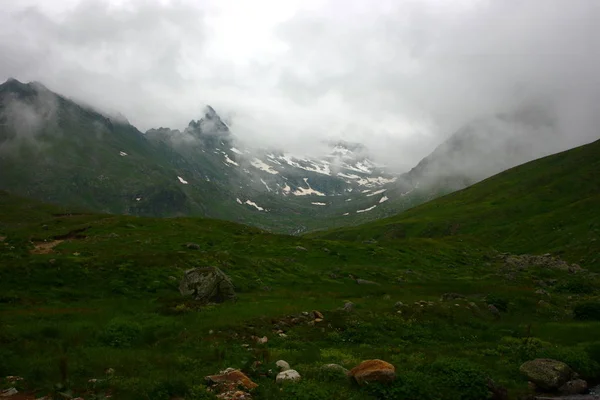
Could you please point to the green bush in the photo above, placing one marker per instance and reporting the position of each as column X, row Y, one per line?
column 499, row 302
column 120, row 333
column 578, row 358
column 589, row 311
column 445, row 379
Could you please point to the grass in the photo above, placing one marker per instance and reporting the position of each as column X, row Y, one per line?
column 106, row 296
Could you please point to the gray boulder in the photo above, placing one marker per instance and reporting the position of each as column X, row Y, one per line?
column 547, row 374
column 207, row 284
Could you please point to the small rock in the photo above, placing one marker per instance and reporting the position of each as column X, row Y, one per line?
column 12, row 379
column 109, row 371
column 288, row 375
column 498, row 392
column 451, row 296
column 300, row 248
column 348, row 306
column 542, row 303
column 493, row 309
column 576, row 386
column 233, row 376
column 318, row 319
column 192, row 246
column 335, row 368
column 366, row 282
column 282, row 365
column 305, row 313
column 326, row 250
column 262, row 340
column 373, row 371
column 9, row 392
column 399, row 304
column 282, row 335
column 317, row 314
column 546, row 373
column 542, row 292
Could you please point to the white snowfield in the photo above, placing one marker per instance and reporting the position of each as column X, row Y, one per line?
column 366, row 209
column 306, row 192
column 229, row 160
column 253, row 204
column 376, row 192
column 182, row 180
column 259, row 164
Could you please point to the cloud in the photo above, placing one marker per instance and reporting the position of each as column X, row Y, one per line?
column 397, row 76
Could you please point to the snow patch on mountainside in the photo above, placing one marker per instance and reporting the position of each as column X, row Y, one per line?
column 229, row 160
column 182, row 180
column 265, row 183
column 366, row 209
column 305, row 192
column 122, row 154
column 238, row 200
column 376, row 192
column 383, row 199
column 236, row 151
column 316, row 203
column 253, row 204
column 259, row 164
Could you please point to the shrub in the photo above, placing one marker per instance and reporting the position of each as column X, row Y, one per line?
column 499, row 302
column 446, row 379
column 578, row 358
column 589, row 311
column 120, row 333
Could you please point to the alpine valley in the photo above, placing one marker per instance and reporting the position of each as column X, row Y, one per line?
column 55, row 150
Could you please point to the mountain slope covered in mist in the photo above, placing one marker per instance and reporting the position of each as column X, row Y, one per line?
column 55, row 150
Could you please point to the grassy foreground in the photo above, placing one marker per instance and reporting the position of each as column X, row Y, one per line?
column 89, row 304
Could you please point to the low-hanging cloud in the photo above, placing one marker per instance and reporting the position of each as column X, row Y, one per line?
column 399, row 77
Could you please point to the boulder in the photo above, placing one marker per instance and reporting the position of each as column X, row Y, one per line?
column 231, row 375
column 291, row 375
column 317, row 314
column 373, row 371
column 547, row 374
column 282, row 365
column 576, row 386
column 208, row 284
column 335, row 368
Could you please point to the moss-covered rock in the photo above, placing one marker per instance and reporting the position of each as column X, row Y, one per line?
column 547, row 374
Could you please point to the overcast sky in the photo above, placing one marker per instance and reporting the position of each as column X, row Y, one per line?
column 398, row 75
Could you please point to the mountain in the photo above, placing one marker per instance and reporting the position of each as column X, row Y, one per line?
column 59, row 151
column 547, row 205
column 456, row 294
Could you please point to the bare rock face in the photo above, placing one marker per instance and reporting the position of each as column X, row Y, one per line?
column 373, row 371
column 208, row 284
column 547, row 374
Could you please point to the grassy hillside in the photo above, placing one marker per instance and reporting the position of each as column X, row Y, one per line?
column 84, row 293
column 551, row 204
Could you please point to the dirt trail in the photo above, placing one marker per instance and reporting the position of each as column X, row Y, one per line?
column 45, row 247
